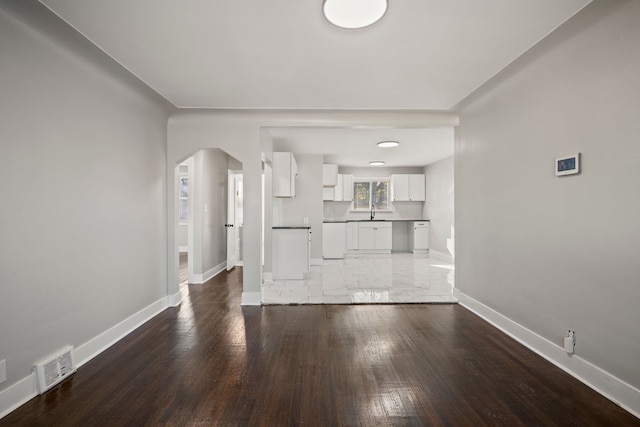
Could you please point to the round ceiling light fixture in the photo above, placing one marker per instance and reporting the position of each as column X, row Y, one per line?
column 388, row 144
column 376, row 163
column 353, row 14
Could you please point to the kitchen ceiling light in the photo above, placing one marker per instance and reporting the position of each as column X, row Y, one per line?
column 354, row 13
column 376, row 163
column 388, row 144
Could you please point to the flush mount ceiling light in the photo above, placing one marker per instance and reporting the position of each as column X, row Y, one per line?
column 354, row 13
column 376, row 163
column 388, row 144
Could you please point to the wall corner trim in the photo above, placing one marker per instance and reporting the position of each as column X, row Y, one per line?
column 441, row 255
column 201, row 278
column 251, row 298
column 611, row 387
column 174, row 300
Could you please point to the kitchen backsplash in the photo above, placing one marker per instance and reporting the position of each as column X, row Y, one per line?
column 338, row 211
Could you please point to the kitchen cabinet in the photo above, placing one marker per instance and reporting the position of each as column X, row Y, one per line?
column 338, row 193
column 291, row 249
column 347, row 187
column 408, row 187
column 329, row 175
column 334, row 240
column 352, row 236
column 375, row 236
column 342, row 192
column 285, row 171
column 328, row 194
column 419, row 236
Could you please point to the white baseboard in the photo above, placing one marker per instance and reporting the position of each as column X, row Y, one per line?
column 317, row 261
column 201, row 278
column 174, row 300
column 441, row 255
column 267, row 276
column 251, row 298
column 611, row 387
column 18, row 394
column 26, row 388
column 100, row 343
column 183, row 249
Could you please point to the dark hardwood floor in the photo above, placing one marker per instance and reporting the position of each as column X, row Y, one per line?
column 211, row 362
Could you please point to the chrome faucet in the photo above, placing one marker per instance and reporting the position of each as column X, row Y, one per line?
column 373, row 212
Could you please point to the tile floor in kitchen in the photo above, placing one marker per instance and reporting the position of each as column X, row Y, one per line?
column 369, row 279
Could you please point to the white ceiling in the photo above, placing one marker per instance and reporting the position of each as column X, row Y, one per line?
column 283, row 54
column 357, row 147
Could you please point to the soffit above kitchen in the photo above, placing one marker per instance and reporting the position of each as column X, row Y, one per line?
column 423, row 54
column 356, row 147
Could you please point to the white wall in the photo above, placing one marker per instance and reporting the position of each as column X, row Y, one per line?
column 82, row 155
column 553, row 253
column 439, row 207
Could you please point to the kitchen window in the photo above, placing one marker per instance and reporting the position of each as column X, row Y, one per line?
column 371, row 192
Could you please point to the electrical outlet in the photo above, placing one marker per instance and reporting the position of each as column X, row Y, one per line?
column 3, row 370
column 570, row 342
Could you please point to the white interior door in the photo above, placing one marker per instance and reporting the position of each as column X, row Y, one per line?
column 230, row 225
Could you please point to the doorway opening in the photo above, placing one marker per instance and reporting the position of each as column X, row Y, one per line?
column 209, row 215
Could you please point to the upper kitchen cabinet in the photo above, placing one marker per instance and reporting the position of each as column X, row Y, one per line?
column 342, row 192
column 408, row 187
column 285, row 171
column 347, row 188
column 329, row 175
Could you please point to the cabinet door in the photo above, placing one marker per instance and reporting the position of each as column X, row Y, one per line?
column 328, row 193
column 338, row 193
column 334, row 239
column 383, row 238
column 400, row 187
column 417, row 187
column 284, row 174
column 352, row 235
column 421, row 238
column 347, row 186
column 366, row 238
column 329, row 175
column 294, row 174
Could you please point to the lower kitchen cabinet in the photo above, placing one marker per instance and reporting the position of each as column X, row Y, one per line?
column 334, row 240
column 419, row 236
column 375, row 236
column 352, row 236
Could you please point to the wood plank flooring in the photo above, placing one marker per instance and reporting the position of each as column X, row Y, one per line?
column 211, row 362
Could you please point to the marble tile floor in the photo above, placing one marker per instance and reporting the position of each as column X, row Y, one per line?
column 368, row 279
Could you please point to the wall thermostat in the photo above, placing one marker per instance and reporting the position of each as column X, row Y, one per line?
column 568, row 165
